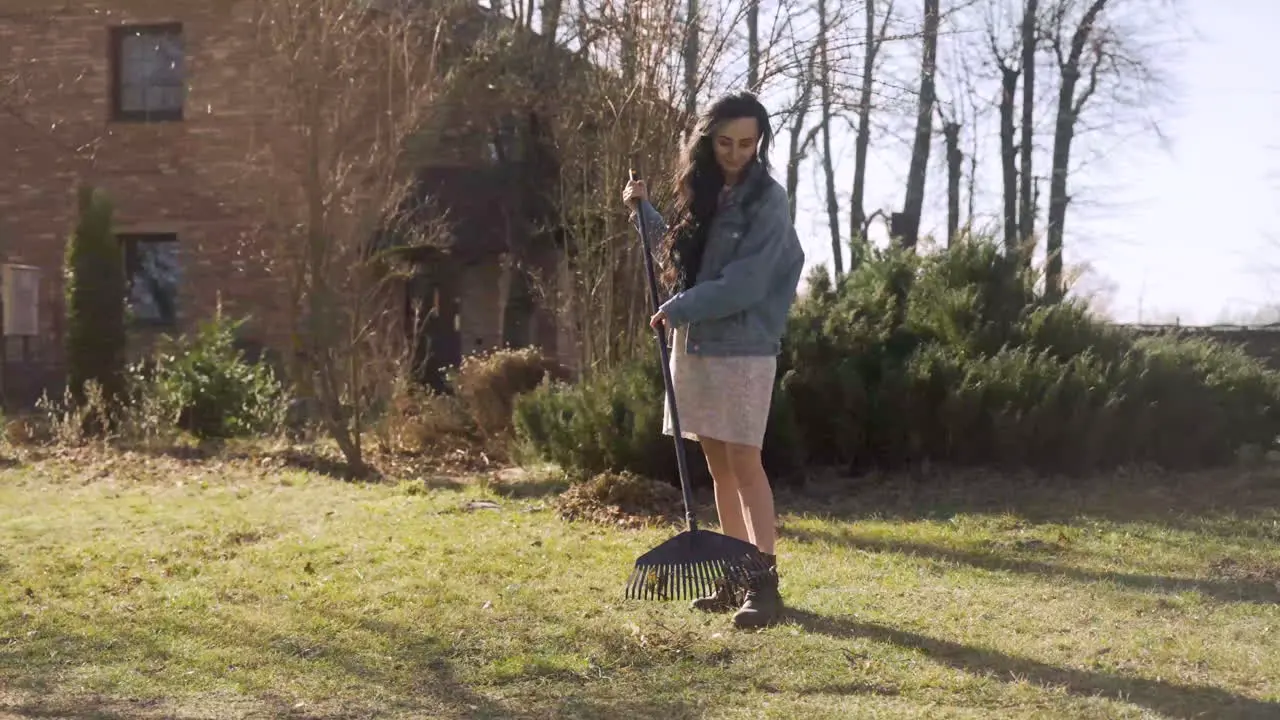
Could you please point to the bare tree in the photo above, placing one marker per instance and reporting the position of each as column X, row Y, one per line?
column 800, row 141
column 962, row 107
column 348, row 87
column 826, row 80
column 692, row 58
column 754, row 81
column 873, row 41
column 552, row 10
column 627, row 94
column 1004, row 54
column 1026, row 208
column 1110, row 82
column 916, row 175
column 955, row 172
column 25, row 90
column 1085, row 51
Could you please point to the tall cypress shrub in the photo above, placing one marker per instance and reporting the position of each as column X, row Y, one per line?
column 95, row 300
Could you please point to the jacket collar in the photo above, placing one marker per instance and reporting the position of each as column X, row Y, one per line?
column 751, row 176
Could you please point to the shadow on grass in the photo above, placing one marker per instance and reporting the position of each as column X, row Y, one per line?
column 1225, row 502
column 1240, row 590
column 585, row 700
column 84, row 710
column 1169, row 699
column 369, row 668
column 415, row 669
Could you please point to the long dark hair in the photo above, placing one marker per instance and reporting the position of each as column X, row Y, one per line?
column 697, row 183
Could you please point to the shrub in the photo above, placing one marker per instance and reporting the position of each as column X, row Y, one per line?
column 203, row 384
column 488, row 383
column 979, row 369
column 954, row 358
column 612, row 422
column 421, row 421
column 95, row 294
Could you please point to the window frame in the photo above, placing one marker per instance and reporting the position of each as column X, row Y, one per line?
column 129, row 245
column 115, row 61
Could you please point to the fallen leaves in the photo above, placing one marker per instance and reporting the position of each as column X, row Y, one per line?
column 622, row 499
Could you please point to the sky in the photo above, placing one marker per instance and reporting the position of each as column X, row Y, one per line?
column 1186, row 229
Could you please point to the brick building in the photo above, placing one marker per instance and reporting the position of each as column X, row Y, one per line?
column 148, row 99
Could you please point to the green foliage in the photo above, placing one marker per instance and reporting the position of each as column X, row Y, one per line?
column 972, row 366
column 609, row 422
column 204, row 385
column 612, row 422
column 954, row 358
column 95, row 294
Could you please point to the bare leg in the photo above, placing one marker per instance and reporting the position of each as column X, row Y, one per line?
column 728, row 497
column 763, row 602
column 755, row 494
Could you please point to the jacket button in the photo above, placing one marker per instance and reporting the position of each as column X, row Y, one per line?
column 696, row 347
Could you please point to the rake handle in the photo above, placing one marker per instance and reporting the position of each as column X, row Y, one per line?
column 682, row 462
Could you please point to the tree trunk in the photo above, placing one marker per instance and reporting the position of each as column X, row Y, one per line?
column 972, row 189
column 828, row 165
column 857, row 208
column 955, row 159
column 1069, row 107
column 919, row 168
column 551, row 11
column 1026, row 211
column 753, row 45
column 628, row 39
column 584, row 30
column 1009, row 158
column 798, row 146
column 692, row 43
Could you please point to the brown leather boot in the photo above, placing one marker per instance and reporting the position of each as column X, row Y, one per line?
column 763, row 604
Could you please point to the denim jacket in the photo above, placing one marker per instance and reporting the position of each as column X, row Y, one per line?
column 749, row 275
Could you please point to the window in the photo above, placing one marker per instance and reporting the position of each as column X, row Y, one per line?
column 148, row 72
column 152, row 276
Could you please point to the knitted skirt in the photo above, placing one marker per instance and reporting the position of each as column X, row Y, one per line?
column 720, row 398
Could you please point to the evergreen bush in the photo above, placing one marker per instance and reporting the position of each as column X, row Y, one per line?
column 954, row 357
column 95, row 301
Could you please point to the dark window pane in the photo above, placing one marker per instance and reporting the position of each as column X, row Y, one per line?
column 162, row 98
column 151, row 71
column 171, row 98
column 131, row 98
column 154, row 277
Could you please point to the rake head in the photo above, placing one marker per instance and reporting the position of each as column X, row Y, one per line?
column 691, row 565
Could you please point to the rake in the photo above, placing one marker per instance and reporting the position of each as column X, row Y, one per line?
column 696, row 562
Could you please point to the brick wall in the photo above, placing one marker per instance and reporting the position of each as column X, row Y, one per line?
column 188, row 177
column 182, row 177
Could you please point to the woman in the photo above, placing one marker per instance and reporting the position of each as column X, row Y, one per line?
column 733, row 260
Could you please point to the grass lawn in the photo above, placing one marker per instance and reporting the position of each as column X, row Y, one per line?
column 144, row 586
